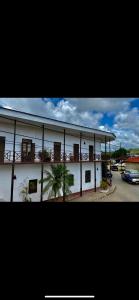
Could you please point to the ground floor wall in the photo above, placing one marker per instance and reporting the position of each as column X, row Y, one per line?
column 24, row 173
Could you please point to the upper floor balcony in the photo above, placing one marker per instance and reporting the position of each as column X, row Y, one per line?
column 26, row 151
column 30, row 157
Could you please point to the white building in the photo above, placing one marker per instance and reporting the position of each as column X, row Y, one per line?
column 23, row 135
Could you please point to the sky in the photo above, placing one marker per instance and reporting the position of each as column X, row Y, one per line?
column 118, row 115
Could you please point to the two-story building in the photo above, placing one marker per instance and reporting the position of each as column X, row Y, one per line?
column 23, row 139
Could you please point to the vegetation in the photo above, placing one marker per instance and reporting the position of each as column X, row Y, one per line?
column 122, row 152
column 104, row 184
column 107, row 156
column 55, row 181
column 44, row 155
column 25, row 191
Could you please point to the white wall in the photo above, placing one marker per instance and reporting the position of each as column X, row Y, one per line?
column 24, row 131
column 5, row 183
column 98, row 174
column 30, row 172
column 34, row 171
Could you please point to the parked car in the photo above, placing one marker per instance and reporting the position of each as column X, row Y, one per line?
column 114, row 168
column 121, row 166
column 131, row 176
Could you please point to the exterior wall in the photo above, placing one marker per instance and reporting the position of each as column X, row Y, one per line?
column 134, row 166
column 24, row 131
column 32, row 171
column 28, row 172
column 98, row 174
column 5, row 183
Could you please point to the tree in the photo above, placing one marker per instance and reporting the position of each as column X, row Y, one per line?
column 25, row 190
column 122, row 152
column 55, row 181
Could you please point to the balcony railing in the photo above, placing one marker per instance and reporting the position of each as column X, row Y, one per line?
column 7, row 157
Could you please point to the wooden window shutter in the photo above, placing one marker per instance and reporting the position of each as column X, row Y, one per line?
column 2, row 148
column 32, row 151
column 76, row 152
column 57, row 151
column 91, row 153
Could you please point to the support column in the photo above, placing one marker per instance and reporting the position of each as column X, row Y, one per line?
column 105, row 157
column 13, row 163
column 64, row 167
column 95, row 161
column 110, row 161
column 42, row 165
column 81, row 164
column 105, row 148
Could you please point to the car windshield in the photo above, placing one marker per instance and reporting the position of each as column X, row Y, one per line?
column 132, row 171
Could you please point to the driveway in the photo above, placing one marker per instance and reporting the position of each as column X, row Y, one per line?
column 124, row 192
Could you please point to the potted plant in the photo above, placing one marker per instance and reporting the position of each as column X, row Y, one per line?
column 104, row 185
column 44, row 155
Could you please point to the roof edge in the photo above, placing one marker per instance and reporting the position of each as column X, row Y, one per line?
column 34, row 115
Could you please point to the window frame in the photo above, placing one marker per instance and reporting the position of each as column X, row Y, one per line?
column 72, row 179
column 29, row 189
column 86, row 180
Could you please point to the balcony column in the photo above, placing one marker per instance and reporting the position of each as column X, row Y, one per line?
column 110, row 161
column 105, row 156
column 81, row 164
column 64, row 163
column 13, row 163
column 42, row 165
column 95, row 161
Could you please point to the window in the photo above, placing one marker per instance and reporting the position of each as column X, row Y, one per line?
column 71, row 179
column 87, row 176
column 32, row 186
column 27, row 150
column 57, row 151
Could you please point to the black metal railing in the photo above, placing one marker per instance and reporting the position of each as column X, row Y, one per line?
column 7, row 156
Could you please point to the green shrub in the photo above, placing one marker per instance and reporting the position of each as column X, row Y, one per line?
column 104, row 184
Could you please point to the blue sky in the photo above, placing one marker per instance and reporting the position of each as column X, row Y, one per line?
column 119, row 115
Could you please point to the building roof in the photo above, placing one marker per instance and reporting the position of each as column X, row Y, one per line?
column 55, row 124
column 132, row 160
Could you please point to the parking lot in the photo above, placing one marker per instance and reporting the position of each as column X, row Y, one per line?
column 124, row 191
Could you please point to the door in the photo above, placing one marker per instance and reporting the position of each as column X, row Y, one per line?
column 27, row 150
column 32, row 152
column 90, row 153
column 57, row 151
column 2, row 148
column 76, row 152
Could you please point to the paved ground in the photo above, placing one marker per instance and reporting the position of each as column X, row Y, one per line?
column 124, row 192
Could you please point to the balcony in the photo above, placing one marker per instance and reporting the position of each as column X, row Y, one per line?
column 7, row 158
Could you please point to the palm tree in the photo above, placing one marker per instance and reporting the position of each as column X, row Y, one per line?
column 55, row 181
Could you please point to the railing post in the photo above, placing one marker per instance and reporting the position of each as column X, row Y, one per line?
column 80, row 164
column 64, row 163
column 95, row 161
column 42, row 165
column 13, row 163
column 110, row 162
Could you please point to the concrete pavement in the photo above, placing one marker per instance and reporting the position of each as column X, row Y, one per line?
column 125, row 192
column 120, row 191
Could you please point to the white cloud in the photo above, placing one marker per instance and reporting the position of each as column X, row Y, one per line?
column 64, row 110
column 87, row 112
column 110, row 105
